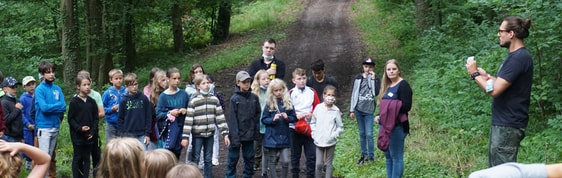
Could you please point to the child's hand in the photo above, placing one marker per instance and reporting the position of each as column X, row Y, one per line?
column 226, row 141
column 85, row 128
column 31, row 127
column 351, row 115
column 184, row 142
column 19, row 106
column 12, row 147
column 377, row 119
column 276, row 117
column 183, row 111
column 115, row 107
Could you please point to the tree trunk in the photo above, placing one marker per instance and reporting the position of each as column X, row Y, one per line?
column 220, row 33
column 128, row 40
column 422, row 14
column 177, row 29
column 70, row 40
column 96, row 37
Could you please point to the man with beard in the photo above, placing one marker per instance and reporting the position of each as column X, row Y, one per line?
column 511, row 91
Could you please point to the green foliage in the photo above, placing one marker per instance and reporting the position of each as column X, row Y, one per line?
column 263, row 15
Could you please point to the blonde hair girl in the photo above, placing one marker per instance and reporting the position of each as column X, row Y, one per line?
column 386, row 82
column 158, row 162
column 121, row 157
column 271, row 98
column 184, row 170
column 260, row 84
column 159, row 84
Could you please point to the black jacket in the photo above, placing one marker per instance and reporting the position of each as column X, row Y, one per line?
column 83, row 113
column 12, row 117
column 244, row 117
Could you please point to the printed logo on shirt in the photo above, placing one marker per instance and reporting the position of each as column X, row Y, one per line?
column 56, row 94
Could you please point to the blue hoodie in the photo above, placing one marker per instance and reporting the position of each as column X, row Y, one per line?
column 49, row 104
column 26, row 100
column 110, row 98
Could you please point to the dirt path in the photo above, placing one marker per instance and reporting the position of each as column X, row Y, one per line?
column 323, row 31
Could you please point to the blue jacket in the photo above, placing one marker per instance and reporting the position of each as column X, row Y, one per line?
column 49, row 105
column 135, row 116
column 277, row 132
column 110, row 98
column 244, row 117
column 26, row 101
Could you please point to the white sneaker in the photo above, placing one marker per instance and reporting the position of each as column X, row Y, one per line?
column 215, row 162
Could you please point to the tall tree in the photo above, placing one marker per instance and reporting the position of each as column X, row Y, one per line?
column 70, row 40
column 95, row 37
column 177, row 29
column 129, row 35
column 221, row 30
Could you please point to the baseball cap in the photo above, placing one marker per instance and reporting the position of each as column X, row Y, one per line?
column 27, row 79
column 369, row 61
column 10, row 82
column 242, row 75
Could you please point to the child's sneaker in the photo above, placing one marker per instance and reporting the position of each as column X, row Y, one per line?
column 215, row 162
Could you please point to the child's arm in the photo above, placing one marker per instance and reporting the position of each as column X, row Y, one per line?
column 148, row 119
column 25, row 113
column 39, row 157
column 339, row 124
column 233, row 121
column 57, row 107
column 187, row 126
column 161, row 109
column 121, row 114
column 107, row 102
column 267, row 117
column 2, row 122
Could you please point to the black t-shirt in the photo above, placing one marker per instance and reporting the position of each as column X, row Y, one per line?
column 319, row 87
column 511, row 108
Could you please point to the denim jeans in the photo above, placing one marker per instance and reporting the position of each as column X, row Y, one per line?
column 47, row 139
column 365, row 123
column 10, row 139
column 110, row 132
column 504, row 144
column 395, row 153
column 271, row 154
column 298, row 141
column 234, row 155
column 205, row 143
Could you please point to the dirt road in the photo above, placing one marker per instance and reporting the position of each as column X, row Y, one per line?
column 322, row 31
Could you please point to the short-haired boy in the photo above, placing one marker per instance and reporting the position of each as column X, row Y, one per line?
column 12, row 110
column 319, row 80
column 26, row 100
column 135, row 115
column 304, row 100
column 243, row 125
column 111, row 98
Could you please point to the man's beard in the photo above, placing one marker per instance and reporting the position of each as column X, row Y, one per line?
column 506, row 44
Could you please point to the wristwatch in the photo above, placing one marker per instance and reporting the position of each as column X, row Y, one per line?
column 474, row 75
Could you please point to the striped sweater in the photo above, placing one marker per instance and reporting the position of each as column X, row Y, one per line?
column 203, row 112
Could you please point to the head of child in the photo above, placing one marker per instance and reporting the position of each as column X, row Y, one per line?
column 29, row 84
column 299, row 78
column 317, row 68
column 243, row 81
column 152, row 75
column 158, row 162
column 160, row 80
column 83, row 84
column 277, row 90
column 131, row 83
column 184, row 170
column 329, row 95
column 174, row 78
column 202, row 84
column 10, row 86
column 47, row 70
column 122, row 157
column 368, row 65
column 196, row 70
column 268, row 49
column 10, row 165
column 116, row 78
column 261, row 80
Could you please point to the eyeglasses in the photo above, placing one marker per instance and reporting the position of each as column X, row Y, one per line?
column 499, row 31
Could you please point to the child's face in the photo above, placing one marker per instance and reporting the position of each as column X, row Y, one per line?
column 299, row 81
column 244, row 85
column 133, row 88
column 264, row 79
column 368, row 68
column 163, row 83
column 174, row 81
column 198, row 72
column 116, row 80
column 49, row 75
column 204, row 85
column 268, row 49
column 278, row 92
column 329, row 94
column 30, row 87
column 84, row 87
column 318, row 75
column 13, row 90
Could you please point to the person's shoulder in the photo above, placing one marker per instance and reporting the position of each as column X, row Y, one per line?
column 358, row 76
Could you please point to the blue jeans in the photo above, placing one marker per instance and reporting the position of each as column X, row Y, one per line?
column 504, row 144
column 207, row 144
column 366, row 123
column 233, row 156
column 10, row 139
column 395, row 153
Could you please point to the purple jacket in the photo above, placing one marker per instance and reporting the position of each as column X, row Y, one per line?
column 389, row 115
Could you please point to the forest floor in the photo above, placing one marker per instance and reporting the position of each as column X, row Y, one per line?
column 324, row 31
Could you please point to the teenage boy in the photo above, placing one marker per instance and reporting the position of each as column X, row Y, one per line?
column 304, row 100
column 26, row 100
column 268, row 61
column 111, row 98
column 135, row 115
column 243, row 125
column 50, row 107
column 12, row 111
column 319, row 80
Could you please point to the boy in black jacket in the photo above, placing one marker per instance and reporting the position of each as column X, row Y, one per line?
column 135, row 112
column 243, row 125
column 12, row 111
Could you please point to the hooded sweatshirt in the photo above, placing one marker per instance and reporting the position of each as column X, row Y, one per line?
column 244, row 117
column 12, row 116
column 135, row 115
column 110, row 98
column 49, row 105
